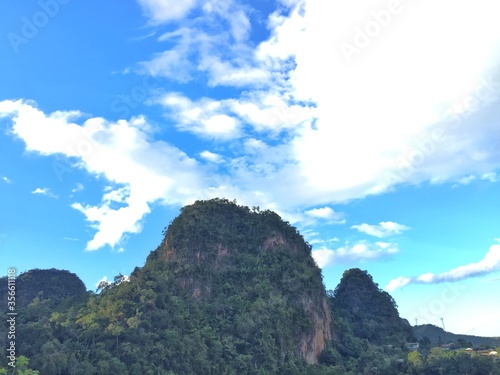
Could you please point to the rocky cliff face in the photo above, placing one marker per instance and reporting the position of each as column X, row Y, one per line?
column 311, row 346
column 251, row 261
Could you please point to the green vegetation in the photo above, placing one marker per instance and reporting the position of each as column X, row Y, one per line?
column 230, row 290
column 437, row 335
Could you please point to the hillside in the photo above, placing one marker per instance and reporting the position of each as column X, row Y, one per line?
column 51, row 286
column 371, row 312
column 437, row 335
column 230, row 259
column 229, row 290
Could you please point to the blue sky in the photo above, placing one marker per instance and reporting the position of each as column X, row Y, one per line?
column 372, row 126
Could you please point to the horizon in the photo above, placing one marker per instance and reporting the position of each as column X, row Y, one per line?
column 374, row 128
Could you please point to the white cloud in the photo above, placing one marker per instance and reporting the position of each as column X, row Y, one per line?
column 205, row 117
column 211, row 156
column 271, row 112
column 161, row 11
column 6, row 180
column 491, row 177
column 44, row 191
column 398, row 282
column 359, row 251
column 323, row 257
column 78, row 187
column 310, row 129
column 170, row 64
column 384, row 229
column 467, row 180
column 489, row 264
column 390, row 117
column 321, row 213
column 141, row 171
column 233, row 13
column 208, row 118
column 224, row 73
column 213, row 43
column 326, row 213
column 102, row 282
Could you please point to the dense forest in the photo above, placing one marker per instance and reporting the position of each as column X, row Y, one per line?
column 230, row 290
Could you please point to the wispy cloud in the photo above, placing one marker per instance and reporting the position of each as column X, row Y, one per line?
column 357, row 252
column 44, row 191
column 78, row 187
column 489, row 264
column 383, row 229
column 6, row 180
column 162, row 11
column 490, row 176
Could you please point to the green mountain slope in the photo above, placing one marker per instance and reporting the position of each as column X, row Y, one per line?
column 50, row 285
column 370, row 311
column 229, row 291
column 437, row 335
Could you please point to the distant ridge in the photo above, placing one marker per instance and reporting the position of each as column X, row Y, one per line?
column 437, row 334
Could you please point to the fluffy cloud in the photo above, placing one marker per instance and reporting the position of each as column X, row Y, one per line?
column 308, row 127
column 141, row 171
column 211, row 156
column 326, row 213
column 384, row 229
column 354, row 253
column 205, row 118
column 223, row 119
column 489, row 264
column 378, row 122
column 359, row 127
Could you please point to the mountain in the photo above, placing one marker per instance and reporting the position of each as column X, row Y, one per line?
column 51, row 285
column 437, row 335
column 229, row 291
column 232, row 259
column 371, row 312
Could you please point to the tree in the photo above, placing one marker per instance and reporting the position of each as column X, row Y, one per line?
column 415, row 359
column 22, row 367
